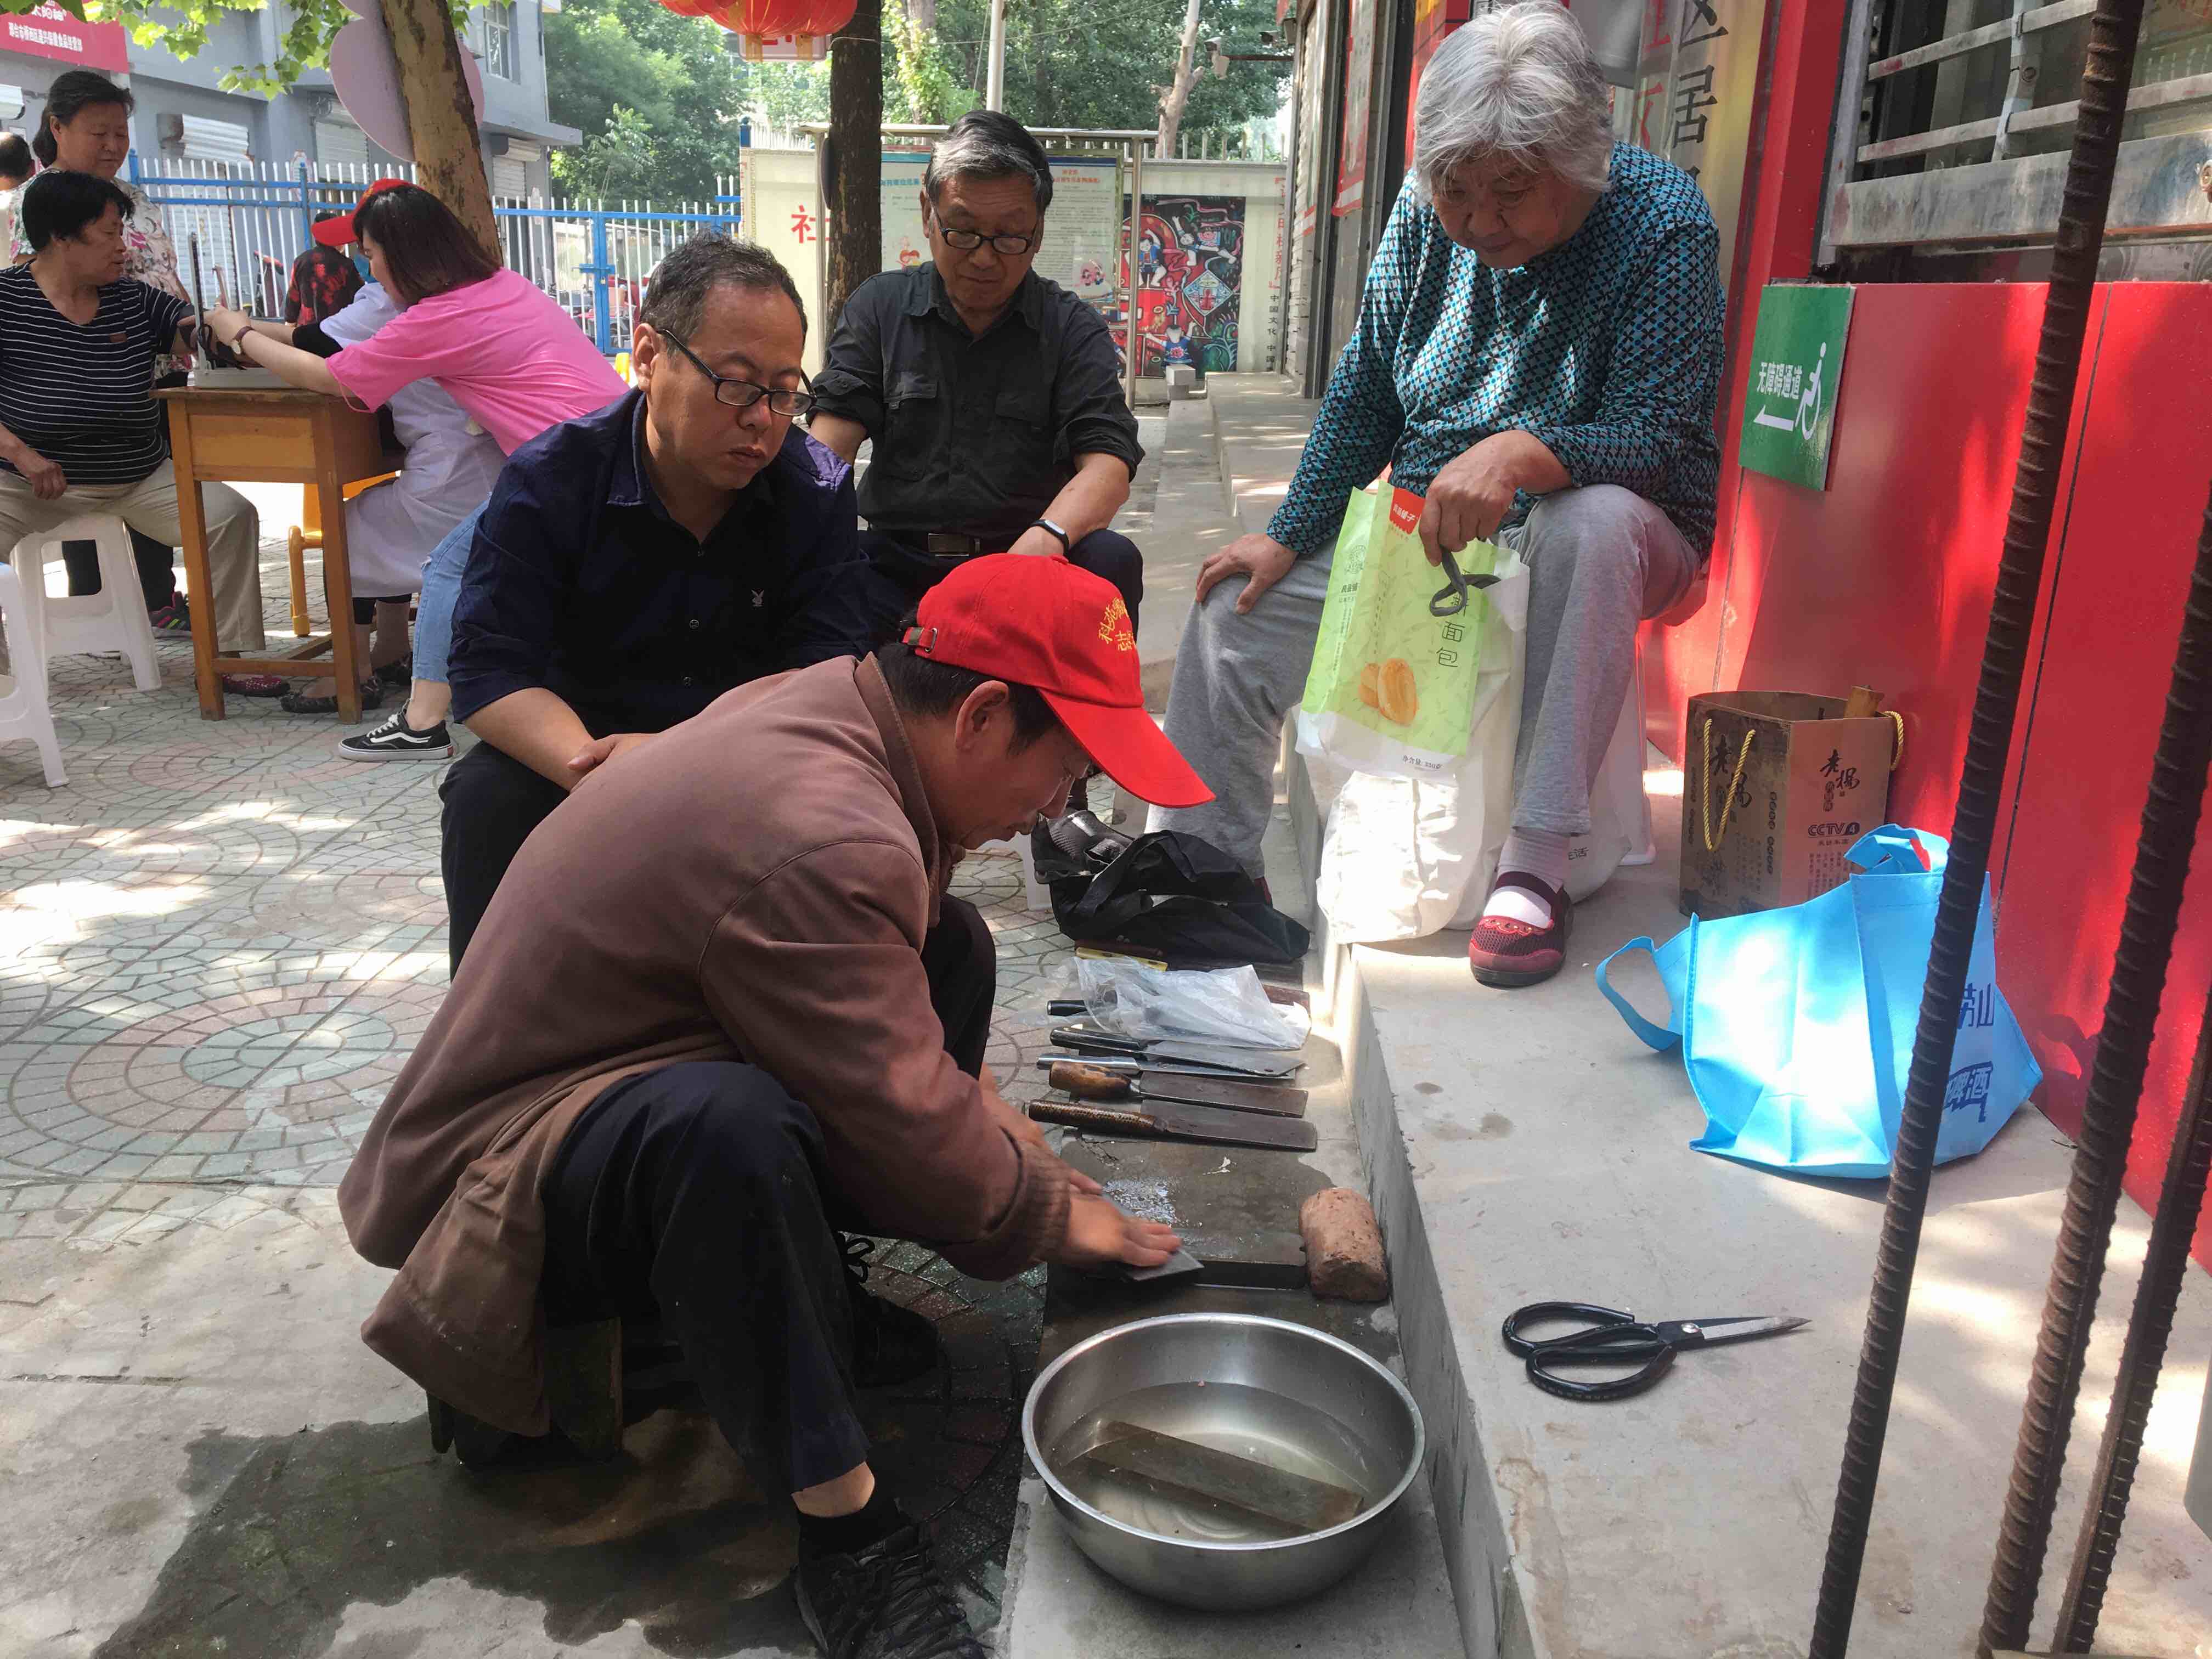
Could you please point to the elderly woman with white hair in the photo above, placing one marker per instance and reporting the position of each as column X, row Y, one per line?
column 1538, row 353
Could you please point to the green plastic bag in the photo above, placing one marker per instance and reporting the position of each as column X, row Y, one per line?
column 1392, row 686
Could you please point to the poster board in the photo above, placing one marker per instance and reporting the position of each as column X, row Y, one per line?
column 1082, row 229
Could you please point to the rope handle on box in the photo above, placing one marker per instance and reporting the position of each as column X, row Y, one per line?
column 1712, row 836
column 1897, row 758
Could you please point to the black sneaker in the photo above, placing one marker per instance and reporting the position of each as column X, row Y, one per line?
column 400, row 675
column 299, row 702
column 888, row 1601
column 396, row 740
column 891, row 1344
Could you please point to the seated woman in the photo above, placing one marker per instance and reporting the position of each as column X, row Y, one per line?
column 451, row 464
column 505, row 353
column 80, row 431
column 1538, row 353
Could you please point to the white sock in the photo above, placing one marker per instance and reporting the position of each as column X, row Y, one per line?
column 1538, row 852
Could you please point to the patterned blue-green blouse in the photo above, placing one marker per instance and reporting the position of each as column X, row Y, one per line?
column 1609, row 348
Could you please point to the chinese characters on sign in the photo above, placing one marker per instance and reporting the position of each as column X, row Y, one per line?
column 1697, row 80
column 1797, row 369
column 802, row 225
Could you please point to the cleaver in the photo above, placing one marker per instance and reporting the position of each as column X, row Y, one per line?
column 1112, row 1083
column 1166, row 1121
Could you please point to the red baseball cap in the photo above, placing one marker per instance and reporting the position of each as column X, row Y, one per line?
column 337, row 233
column 1046, row 623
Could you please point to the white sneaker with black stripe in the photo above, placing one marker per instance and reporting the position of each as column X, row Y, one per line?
column 395, row 740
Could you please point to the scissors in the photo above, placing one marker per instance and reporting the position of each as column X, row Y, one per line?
column 1451, row 598
column 1615, row 1338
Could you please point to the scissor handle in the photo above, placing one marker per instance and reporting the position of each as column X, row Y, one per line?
column 1450, row 600
column 1594, row 1320
column 1543, row 1373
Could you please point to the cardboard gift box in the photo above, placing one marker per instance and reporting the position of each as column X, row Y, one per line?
column 1776, row 787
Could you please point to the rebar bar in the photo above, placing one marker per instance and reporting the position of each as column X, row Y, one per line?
column 2113, row 31
column 2184, row 753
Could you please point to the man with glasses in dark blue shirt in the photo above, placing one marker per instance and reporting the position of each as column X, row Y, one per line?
column 633, row 565
column 993, row 397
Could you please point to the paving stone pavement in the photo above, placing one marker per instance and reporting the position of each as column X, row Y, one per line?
column 220, row 941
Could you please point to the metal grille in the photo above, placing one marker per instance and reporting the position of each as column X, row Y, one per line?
column 1955, row 116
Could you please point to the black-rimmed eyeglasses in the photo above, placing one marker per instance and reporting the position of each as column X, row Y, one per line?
column 968, row 240
column 743, row 394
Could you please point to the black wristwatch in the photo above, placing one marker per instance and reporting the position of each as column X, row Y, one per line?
column 1065, row 545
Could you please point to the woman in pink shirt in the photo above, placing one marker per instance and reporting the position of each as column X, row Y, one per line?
column 508, row 356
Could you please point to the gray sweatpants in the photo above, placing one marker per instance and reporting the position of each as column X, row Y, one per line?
column 1600, row 559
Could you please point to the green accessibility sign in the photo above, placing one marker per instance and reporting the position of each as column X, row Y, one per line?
column 1796, row 364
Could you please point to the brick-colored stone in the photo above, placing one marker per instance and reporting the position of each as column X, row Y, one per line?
column 1343, row 1246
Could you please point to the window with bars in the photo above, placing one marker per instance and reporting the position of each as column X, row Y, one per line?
column 499, row 38
column 1953, row 121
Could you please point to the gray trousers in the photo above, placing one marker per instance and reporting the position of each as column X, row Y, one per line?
column 1600, row 559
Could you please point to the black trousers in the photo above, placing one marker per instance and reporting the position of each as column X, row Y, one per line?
column 492, row 802
column 157, row 572
column 902, row 575
column 697, row 1196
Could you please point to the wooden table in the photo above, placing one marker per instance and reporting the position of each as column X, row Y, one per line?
column 271, row 435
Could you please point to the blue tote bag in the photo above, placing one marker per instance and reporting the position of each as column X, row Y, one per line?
column 1797, row 1024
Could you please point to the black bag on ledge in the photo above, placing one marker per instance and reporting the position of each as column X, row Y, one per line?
column 1172, row 897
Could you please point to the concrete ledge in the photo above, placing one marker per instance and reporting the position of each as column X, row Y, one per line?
column 1523, row 1146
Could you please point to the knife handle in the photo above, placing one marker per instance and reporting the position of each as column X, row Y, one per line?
column 1089, row 1082
column 1090, row 1117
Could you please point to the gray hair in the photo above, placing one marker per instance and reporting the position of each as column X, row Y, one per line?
column 1520, row 81
column 676, row 298
column 984, row 144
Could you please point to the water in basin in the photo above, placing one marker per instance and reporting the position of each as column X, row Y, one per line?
column 1284, row 1435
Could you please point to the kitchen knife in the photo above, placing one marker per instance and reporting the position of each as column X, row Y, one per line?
column 1130, row 1064
column 1088, row 1082
column 1213, row 1056
column 1207, row 1125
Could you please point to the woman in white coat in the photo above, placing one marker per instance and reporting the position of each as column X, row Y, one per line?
column 452, row 463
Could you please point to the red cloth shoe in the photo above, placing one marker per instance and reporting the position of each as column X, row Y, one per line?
column 1510, row 953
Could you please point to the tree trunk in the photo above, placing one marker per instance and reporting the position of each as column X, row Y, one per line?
column 923, row 14
column 854, row 174
column 1178, row 95
column 441, row 120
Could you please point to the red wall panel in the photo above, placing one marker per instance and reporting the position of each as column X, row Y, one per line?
column 1884, row 578
column 2137, row 502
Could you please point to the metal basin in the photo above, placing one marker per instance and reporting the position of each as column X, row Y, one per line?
column 1316, row 1372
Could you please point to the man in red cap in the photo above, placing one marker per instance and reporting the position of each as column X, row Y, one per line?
column 722, row 1007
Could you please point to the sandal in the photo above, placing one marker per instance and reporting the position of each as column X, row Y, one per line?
column 299, row 702
column 253, row 686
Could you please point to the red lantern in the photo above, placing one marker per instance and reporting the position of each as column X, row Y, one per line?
column 688, row 7
column 806, row 24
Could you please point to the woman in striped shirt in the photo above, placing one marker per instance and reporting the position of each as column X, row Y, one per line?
column 80, row 431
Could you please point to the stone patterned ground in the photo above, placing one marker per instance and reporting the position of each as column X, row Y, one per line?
column 219, row 942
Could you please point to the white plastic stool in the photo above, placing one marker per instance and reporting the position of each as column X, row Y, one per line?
column 113, row 619
column 23, row 711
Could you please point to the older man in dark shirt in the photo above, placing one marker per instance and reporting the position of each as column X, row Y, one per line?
column 992, row 394
column 633, row 565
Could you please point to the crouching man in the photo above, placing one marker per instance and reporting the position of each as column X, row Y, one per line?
column 720, row 1008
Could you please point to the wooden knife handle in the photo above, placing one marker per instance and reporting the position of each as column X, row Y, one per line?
column 1088, row 1082
column 1091, row 1117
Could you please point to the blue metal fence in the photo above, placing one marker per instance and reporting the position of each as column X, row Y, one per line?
column 253, row 220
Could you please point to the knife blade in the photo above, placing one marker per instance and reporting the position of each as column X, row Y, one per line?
column 1088, row 1082
column 1132, row 1063
column 1209, row 1126
column 1229, row 1060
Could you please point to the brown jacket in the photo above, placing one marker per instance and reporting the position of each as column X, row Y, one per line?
column 753, row 884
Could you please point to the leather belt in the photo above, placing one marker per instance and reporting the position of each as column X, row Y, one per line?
column 944, row 545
